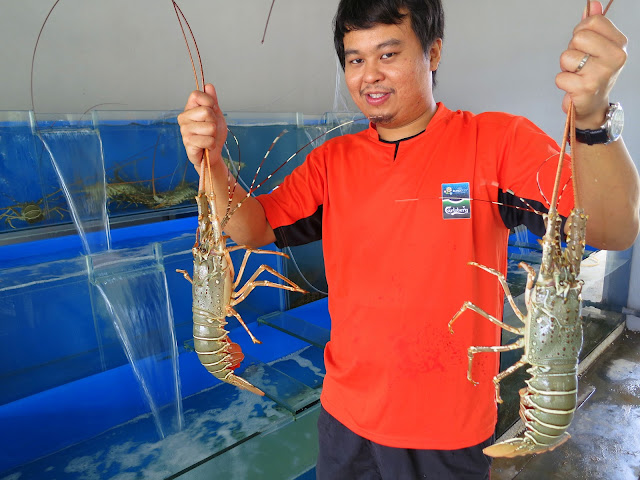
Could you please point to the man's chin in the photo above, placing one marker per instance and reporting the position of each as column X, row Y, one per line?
column 380, row 119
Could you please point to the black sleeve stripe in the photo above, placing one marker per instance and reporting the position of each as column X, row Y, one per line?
column 305, row 230
column 513, row 210
column 517, row 211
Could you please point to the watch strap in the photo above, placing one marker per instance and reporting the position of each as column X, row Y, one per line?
column 592, row 137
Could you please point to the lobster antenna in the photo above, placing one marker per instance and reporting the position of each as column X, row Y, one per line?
column 539, row 182
column 565, row 136
column 205, row 154
column 267, row 24
column 572, row 140
column 569, row 126
column 302, row 148
column 179, row 14
column 35, row 48
column 153, row 167
column 237, row 177
column 250, row 189
column 229, row 211
column 226, row 218
column 273, row 144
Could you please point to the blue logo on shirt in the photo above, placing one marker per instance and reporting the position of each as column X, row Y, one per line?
column 456, row 200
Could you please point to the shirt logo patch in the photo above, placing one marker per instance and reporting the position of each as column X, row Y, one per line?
column 456, row 201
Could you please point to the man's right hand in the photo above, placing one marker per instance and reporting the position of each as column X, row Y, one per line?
column 202, row 125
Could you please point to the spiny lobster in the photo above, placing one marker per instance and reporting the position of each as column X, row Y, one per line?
column 215, row 292
column 552, row 332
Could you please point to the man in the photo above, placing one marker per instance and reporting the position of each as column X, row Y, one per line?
column 396, row 401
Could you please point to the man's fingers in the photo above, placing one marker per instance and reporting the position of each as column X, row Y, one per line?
column 199, row 134
column 210, row 90
column 591, row 64
column 599, row 26
column 574, row 61
column 197, row 114
column 198, row 98
column 202, row 124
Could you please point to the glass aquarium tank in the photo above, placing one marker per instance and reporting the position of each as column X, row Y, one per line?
column 99, row 373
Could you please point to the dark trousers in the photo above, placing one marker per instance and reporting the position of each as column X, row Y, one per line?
column 343, row 455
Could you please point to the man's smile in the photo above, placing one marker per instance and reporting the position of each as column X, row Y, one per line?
column 377, row 98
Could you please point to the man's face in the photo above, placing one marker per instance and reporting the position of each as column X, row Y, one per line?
column 389, row 77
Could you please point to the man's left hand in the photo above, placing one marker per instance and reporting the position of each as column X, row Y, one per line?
column 590, row 66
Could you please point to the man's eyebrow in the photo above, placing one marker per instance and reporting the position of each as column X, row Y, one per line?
column 394, row 42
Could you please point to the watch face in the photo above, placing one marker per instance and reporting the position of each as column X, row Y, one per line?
column 616, row 122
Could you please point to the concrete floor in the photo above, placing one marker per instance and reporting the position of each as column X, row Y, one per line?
column 605, row 432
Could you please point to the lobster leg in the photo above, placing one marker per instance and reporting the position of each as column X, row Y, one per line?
column 498, row 378
column 248, row 252
column 506, row 348
column 185, row 274
column 531, row 277
column 232, row 311
column 468, row 305
column 248, row 287
column 503, row 282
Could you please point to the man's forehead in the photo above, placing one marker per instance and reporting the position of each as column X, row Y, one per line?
column 379, row 36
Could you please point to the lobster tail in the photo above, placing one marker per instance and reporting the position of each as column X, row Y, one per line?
column 221, row 362
column 547, row 406
column 242, row 383
column 549, row 402
column 219, row 355
column 515, row 447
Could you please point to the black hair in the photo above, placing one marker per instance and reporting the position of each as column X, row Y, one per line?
column 426, row 18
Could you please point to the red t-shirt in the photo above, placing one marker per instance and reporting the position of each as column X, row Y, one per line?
column 396, row 250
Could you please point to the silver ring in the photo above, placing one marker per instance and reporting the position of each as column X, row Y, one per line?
column 582, row 62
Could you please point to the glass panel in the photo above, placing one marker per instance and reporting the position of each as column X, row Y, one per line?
column 63, row 325
column 145, row 163
column 47, row 332
column 29, row 193
column 306, row 365
column 216, row 421
column 305, row 266
column 287, row 452
column 75, row 151
column 131, row 292
column 297, row 327
column 292, row 394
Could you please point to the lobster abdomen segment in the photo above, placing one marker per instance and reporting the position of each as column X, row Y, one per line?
column 547, row 406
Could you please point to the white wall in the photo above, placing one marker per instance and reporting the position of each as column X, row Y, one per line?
column 132, row 53
column 504, row 55
column 498, row 55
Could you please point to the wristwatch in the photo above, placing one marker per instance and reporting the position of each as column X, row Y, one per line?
column 609, row 132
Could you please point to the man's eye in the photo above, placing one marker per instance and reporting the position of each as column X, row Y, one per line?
column 388, row 55
column 355, row 61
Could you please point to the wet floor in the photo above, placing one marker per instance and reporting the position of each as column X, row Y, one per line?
column 605, row 432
